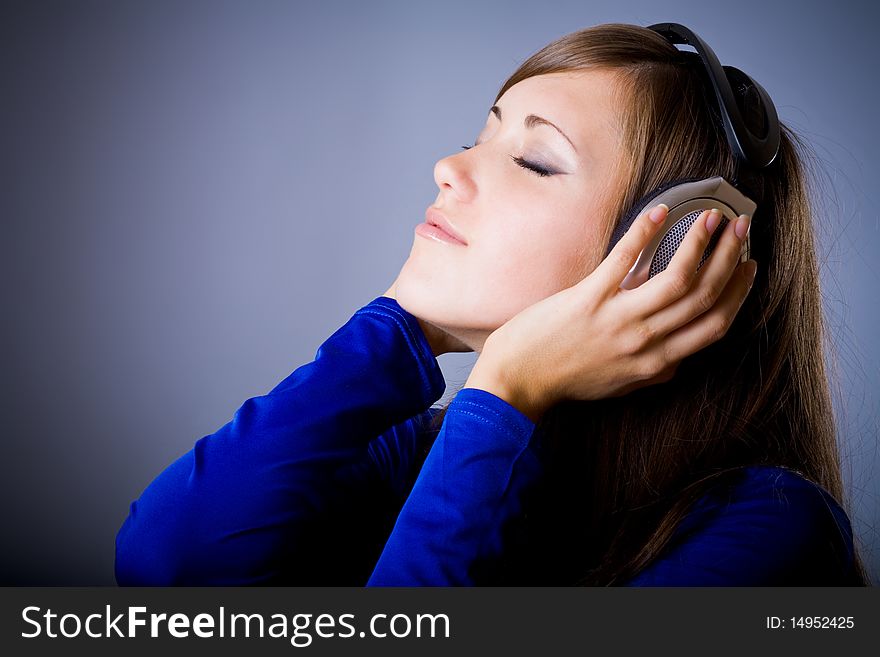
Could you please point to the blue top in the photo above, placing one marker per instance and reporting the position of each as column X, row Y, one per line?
column 320, row 482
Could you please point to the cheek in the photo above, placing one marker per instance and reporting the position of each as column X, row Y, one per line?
column 533, row 264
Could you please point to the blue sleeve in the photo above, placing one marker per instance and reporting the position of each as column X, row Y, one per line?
column 774, row 528
column 469, row 493
column 303, row 484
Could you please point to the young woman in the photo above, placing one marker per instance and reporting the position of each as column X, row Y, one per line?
column 677, row 433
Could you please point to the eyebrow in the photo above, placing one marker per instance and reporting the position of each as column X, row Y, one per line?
column 533, row 120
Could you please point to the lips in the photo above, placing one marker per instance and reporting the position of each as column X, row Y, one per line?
column 436, row 218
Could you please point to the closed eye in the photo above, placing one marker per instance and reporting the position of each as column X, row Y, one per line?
column 525, row 164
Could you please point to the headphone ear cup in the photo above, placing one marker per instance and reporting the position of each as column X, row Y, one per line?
column 675, row 235
column 644, row 202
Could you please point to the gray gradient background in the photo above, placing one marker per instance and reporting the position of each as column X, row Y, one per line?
column 195, row 195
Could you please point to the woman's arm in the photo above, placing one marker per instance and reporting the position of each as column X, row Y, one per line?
column 772, row 529
column 298, row 477
column 454, row 526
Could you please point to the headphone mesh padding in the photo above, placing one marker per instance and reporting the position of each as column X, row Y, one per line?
column 675, row 236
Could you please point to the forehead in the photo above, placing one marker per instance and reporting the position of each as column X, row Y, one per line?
column 583, row 103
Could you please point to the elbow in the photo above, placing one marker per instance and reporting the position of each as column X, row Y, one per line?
column 146, row 555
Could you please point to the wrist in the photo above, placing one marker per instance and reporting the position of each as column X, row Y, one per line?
column 431, row 336
column 489, row 377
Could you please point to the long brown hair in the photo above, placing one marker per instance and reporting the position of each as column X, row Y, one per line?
column 623, row 472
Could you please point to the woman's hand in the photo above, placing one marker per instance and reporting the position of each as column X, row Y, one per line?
column 596, row 340
column 441, row 342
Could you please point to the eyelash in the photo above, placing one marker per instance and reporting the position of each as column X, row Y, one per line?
column 534, row 168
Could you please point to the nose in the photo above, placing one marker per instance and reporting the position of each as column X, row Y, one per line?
column 454, row 174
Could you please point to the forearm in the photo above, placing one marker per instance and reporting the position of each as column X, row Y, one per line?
column 452, row 529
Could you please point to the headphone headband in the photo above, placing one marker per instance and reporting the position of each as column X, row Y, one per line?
column 747, row 112
column 753, row 133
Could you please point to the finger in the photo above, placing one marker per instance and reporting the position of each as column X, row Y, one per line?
column 714, row 324
column 676, row 279
column 708, row 285
column 614, row 268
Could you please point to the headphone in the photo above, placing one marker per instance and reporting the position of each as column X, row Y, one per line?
column 752, row 128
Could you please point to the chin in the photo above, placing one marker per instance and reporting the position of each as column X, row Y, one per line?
column 421, row 299
column 442, row 300
column 446, row 310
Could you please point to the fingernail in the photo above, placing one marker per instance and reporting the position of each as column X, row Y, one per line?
column 657, row 213
column 713, row 219
column 743, row 225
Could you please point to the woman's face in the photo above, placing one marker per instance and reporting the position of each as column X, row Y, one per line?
column 528, row 235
